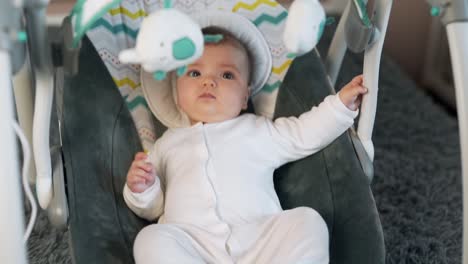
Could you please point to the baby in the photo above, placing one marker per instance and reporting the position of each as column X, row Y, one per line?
column 211, row 182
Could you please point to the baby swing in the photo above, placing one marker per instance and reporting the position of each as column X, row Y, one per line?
column 105, row 121
column 100, row 127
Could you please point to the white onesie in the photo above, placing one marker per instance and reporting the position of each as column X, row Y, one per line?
column 215, row 197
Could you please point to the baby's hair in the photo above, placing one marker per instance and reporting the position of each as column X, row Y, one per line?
column 229, row 38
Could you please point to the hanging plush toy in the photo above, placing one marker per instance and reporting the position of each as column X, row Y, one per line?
column 168, row 40
column 304, row 26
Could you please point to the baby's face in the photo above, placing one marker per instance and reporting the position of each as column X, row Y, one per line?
column 215, row 87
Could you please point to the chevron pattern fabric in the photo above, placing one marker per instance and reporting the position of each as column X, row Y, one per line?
column 118, row 29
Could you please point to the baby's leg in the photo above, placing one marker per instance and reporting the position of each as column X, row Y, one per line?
column 294, row 236
column 162, row 243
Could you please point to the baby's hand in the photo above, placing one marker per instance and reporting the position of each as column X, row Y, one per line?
column 141, row 174
column 351, row 94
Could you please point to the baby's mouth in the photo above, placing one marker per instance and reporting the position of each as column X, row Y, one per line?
column 207, row 96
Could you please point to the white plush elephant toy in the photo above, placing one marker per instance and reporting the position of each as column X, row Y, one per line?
column 168, row 39
column 304, row 26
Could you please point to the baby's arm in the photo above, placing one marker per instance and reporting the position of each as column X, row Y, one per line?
column 142, row 192
column 296, row 138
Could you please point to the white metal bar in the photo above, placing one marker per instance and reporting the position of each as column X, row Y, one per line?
column 12, row 249
column 24, row 99
column 337, row 49
column 371, row 78
column 458, row 42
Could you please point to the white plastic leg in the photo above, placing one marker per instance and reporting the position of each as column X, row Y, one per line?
column 12, row 249
column 458, row 42
column 41, row 130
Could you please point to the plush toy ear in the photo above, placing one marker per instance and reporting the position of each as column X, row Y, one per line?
column 304, row 26
column 183, row 49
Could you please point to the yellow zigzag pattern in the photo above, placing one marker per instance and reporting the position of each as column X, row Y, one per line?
column 282, row 68
column 254, row 5
column 126, row 81
column 123, row 10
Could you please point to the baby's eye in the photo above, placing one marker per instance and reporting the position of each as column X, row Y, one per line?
column 228, row 75
column 193, row 73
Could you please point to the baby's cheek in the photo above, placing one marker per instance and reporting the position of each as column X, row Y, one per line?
column 185, row 104
column 239, row 105
column 183, row 100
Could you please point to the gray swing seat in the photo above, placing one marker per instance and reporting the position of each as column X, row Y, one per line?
column 100, row 140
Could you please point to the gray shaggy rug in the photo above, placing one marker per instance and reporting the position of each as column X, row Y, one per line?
column 417, row 183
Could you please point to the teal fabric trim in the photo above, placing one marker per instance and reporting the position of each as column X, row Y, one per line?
column 80, row 29
column 78, row 12
column 363, row 12
column 78, row 6
column 181, row 70
column 159, row 75
column 213, row 38
column 183, row 48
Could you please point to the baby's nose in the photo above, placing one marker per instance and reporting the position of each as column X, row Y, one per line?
column 209, row 82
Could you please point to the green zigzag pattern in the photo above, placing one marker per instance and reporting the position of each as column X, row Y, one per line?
column 116, row 29
column 137, row 101
column 271, row 87
column 271, row 19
